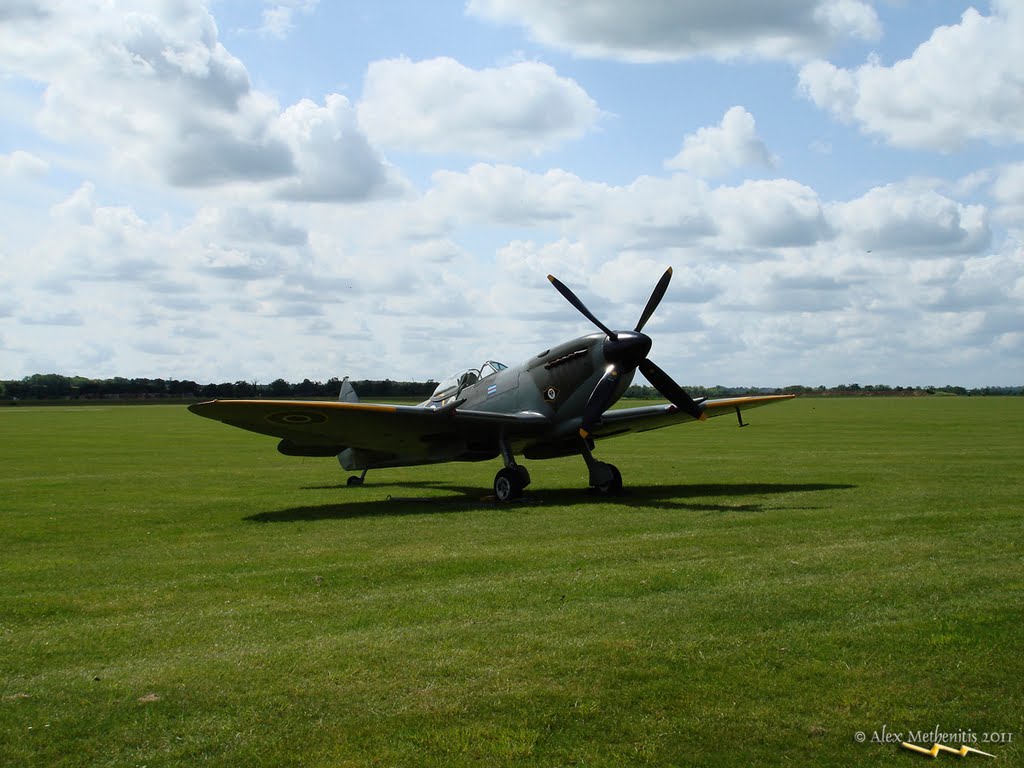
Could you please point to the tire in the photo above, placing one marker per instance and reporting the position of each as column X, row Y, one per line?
column 354, row 480
column 614, row 486
column 507, row 485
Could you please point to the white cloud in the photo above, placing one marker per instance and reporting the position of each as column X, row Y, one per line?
column 649, row 213
column 509, row 195
column 279, row 17
column 716, row 150
column 1008, row 190
column 333, row 158
column 69, row 318
column 962, row 84
column 902, row 218
column 653, row 212
column 667, row 31
column 765, row 276
column 156, row 90
column 778, row 213
column 440, row 105
column 22, row 165
column 250, row 224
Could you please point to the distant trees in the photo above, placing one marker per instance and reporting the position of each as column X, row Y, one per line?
column 53, row 386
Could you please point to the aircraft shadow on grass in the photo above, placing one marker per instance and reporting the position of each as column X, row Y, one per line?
column 682, row 497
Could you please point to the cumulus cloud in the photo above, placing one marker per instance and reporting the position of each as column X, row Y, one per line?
column 250, row 224
column 778, row 213
column 651, row 213
column 510, row 195
column 22, row 165
column 333, row 158
column 977, row 283
column 440, row 105
column 156, row 89
column 962, row 84
column 764, row 272
column 902, row 218
column 647, row 32
column 1008, row 190
column 88, row 243
column 279, row 17
column 21, row 9
column 716, row 150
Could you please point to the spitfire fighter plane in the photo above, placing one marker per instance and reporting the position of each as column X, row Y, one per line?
column 557, row 403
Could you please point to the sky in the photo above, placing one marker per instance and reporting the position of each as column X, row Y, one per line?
column 244, row 190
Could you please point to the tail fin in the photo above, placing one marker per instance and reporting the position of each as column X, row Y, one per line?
column 347, row 394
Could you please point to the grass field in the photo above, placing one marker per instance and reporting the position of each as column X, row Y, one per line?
column 174, row 592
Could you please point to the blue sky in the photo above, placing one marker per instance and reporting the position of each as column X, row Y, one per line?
column 243, row 190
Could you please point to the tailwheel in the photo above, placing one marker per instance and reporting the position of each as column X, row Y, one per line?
column 354, row 481
column 508, row 483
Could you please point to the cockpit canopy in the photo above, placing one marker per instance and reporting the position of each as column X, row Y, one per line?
column 465, row 378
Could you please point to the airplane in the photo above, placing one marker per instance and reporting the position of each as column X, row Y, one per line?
column 557, row 403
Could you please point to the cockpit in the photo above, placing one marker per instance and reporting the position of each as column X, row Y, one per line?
column 467, row 377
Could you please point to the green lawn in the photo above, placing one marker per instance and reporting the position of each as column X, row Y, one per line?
column 174, row 592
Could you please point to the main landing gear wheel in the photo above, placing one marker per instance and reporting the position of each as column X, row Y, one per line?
column 608, row 480
column 508, row 483
column 605, row 478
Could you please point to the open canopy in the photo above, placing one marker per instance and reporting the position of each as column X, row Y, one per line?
column 459, row 380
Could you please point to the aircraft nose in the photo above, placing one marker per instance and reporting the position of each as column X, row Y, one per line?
column 628, row 349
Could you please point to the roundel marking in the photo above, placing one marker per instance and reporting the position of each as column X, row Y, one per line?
column 294, row 418
column 550, row 394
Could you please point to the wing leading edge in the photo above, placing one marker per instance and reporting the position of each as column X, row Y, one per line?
column 391, row 433
column 648, row 417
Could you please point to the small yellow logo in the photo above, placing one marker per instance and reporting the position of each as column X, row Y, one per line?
column 936, row 748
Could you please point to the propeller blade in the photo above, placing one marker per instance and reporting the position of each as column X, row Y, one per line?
column 599, row 402
column 672, row 391
column 572, row 299
column 655, row 300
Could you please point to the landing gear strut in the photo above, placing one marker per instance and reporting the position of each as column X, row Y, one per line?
column 604, row 477
column 512, row 479
column 356, row 481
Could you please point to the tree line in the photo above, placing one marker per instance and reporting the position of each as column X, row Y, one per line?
column 53, row 386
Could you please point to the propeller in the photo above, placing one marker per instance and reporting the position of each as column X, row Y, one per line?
column 626, row 351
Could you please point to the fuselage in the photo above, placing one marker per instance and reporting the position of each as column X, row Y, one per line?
column 555, row 383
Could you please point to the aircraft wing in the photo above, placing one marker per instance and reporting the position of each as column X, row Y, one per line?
column 648, row 417
column 313, row 428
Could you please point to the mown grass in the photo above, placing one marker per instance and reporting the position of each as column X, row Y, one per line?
column 174, row 592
